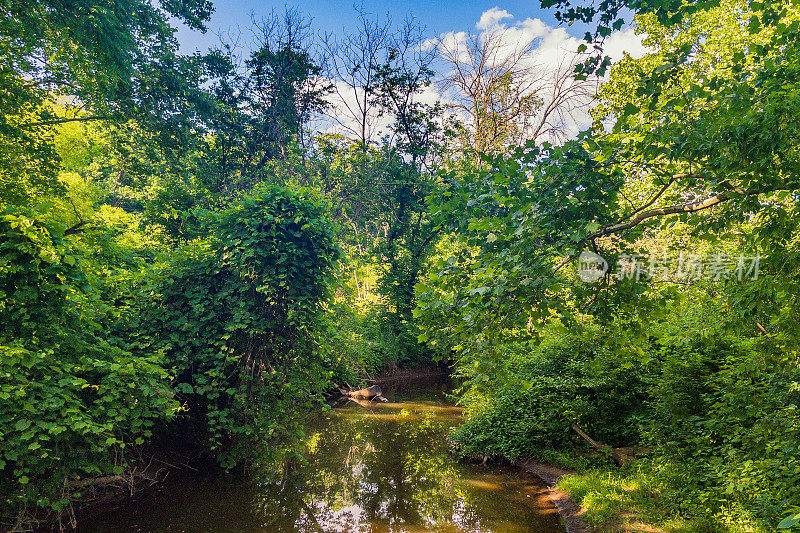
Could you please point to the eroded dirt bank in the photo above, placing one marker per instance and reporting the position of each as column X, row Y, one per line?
column 569, row 510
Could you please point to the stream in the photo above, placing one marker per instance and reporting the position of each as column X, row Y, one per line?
column 368, row 467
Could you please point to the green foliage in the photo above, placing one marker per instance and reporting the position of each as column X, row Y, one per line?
column 95, row 318
column 637, row 496
column 701, row 158
column 74, row 397
column 604, row 496
column 158, row 249
column 258, row 108
column 527, row 402
column 238, row 317
column 380, row 199
column 728, row 408
column 116, row 57
column 283, row 88
column 510, row 221
column 790, row 521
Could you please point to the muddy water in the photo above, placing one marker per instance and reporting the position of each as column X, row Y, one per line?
column 372, row 467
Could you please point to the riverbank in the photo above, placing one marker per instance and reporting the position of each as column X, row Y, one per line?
column 620, row 502
column 599, row 500
column 569, row 510
column 628, row 499
column 421, row 372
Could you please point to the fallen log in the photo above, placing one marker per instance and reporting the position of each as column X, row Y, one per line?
column 621, row 455
column 102, row 481
column 373, row 392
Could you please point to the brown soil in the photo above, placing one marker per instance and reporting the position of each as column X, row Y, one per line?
column 568, row 509
column 401, row 374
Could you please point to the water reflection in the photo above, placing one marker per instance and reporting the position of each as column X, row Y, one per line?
column 363, row 467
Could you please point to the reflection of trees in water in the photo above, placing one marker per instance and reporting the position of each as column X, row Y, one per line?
column 382, row 470
column 363, row 473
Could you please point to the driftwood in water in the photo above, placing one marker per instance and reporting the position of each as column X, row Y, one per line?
column 373, row 392
column 620, row 455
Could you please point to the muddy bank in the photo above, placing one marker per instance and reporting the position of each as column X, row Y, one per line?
column 568, row 509
column 390, row 375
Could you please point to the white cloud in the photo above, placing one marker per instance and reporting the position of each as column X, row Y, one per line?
column 491, row 18
column 551, row 47
column 626, row 41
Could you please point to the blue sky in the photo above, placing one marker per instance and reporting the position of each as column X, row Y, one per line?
column 519, row 22
column 336, row 16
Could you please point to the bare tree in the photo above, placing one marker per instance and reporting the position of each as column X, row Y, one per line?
column 563, row 96
column 506, row 93
column 353, row 62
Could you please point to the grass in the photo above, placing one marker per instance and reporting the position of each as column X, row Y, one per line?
column 630, row 500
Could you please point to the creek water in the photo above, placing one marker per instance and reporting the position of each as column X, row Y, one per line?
column 366, row 467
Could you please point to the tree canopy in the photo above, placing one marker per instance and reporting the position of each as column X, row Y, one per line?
column 195, row 249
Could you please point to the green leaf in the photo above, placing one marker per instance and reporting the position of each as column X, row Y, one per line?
column 789, row 521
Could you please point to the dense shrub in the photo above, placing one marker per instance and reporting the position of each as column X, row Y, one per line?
column 718, row 411
column 724, row 428
column 541, row 390
column 73, row 397
column 238, row 316
column 726, row 424
column 96, row 354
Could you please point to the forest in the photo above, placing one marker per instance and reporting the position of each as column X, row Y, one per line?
column 196, row 249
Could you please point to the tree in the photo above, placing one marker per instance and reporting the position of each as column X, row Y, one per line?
column 693, row 137
column 418, row 127
column 284, row 88
column 107, row 59
column 352, row 63
column 255, row 114
column 379, row 74
column 506, row 94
